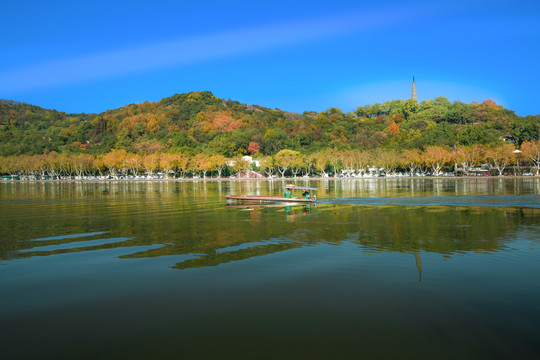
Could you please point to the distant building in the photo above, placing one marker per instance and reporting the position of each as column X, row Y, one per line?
column 249, row 175
column 413, row 96
column 250, row 160
column 508, row 139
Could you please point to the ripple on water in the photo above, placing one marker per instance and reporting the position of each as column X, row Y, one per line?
column 490, row 201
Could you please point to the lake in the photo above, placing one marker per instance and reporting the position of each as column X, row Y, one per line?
column 380, row 268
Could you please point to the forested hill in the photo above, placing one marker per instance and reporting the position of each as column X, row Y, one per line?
column 199, row 122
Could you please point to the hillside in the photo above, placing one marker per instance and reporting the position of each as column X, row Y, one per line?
column 199, row 122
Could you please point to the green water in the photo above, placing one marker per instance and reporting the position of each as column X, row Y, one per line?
column 423, row 268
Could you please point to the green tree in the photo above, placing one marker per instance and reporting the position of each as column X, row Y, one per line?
column 276, row 140
column 526, row 129
column 410, row 108
column 124, row 138
column 473, row 135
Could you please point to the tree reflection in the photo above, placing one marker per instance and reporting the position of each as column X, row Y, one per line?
column 418, row 264
column 442, row 230
column 192, row 220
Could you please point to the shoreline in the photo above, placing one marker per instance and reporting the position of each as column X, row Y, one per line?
column 266, row 179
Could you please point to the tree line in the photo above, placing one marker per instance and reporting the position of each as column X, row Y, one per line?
column 199, row 122
column 433, row 159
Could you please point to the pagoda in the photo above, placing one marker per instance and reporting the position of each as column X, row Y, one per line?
column 413, row 96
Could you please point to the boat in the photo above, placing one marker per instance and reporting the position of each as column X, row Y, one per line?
column 257, row 199
column 262, row 199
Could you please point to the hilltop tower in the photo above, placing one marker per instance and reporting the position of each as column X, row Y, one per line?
column 413, row 96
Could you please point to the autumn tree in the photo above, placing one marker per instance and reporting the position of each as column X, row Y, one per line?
column 268, row 166
column 114, row 161
column 287, row 159
column 151, row 163
column 83, row 164
column 468, row 156
column 297, row 163
column 253, row 147
column 348, row 159
column 218, row 163
column 202, row 163
column 182, row 164
column 531, row 151
column 436, row 157
column 25, row 165
column 99, row 165
column 4, row 165
column 167, row 163
column 240, row 164
column 361, row 161
column 387, row 159
column 413, row 160
column 67, row 164
column 40, row 161
column 20, row 164
column 501, row 156
column 52, row 163
column 321, row 161
column 333, row 159
column 393, row 128
column 134, row 163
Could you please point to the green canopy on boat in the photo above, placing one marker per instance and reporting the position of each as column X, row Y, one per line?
column 294, row 187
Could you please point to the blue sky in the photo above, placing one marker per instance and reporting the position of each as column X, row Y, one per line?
column 293, row 55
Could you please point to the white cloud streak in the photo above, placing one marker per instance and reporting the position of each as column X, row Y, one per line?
column 193, row 50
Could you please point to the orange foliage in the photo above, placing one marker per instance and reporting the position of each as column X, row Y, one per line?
column 115, row 160
column 147, row 147
column 153, row 126
column 82, row 146
column 219, row 121
column 436, row 157
column 131, row 121
column 151, row 122
column 393, row 129
column 488, row 103
column 253, row 147
column 152, row 162
column 531, row 151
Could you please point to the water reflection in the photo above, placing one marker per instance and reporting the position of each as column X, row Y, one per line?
column 231, row 234
column 120, row 270
column 351, row 188
column 192, row 220
column 418, row 264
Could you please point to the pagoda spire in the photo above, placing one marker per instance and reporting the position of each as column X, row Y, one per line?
column 413, row 96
